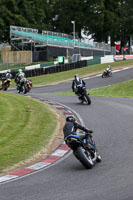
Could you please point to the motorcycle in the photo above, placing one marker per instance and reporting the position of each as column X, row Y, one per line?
column 106, row 74
column 5, row 85
column 83, row 95
column 24, row 86
column 85, row 152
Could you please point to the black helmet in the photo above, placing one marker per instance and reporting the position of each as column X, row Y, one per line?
column 70, row 119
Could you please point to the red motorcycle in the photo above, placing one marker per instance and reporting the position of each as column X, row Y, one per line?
column 29, row 85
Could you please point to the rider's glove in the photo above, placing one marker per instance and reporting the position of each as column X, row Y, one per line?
column 89, row 131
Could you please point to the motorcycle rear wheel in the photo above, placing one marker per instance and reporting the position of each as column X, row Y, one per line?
column 84, row 157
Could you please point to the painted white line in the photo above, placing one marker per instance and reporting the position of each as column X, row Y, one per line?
column 59, row 106
column 69, row 111
column 88, row 78
column 59, row 152
column 115, row 71
column 7, row 178
column 127, row 68
column 98, row 75
column 38, row 165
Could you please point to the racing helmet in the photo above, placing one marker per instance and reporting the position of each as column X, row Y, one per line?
column 20, row 70
column 77, row 77
column 70, row 119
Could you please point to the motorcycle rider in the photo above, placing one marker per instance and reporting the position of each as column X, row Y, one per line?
column 77, row 84
column 20, row 75
column 6, row 76
column 71, row 127
column 108, row 69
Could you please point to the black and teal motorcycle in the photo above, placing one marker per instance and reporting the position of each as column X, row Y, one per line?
column 82, row 94
column 84, row 151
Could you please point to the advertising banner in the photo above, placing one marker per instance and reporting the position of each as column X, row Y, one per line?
column 119, row 57
column 128, row 57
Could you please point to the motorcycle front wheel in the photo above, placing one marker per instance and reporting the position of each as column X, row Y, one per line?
column 87, row 99
column 103, row 75
column 6, row 85
column 110, row 74
column 24, row 89
column 84, row 157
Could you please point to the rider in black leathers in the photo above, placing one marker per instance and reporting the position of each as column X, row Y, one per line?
column 71, row 127
column 77, row 84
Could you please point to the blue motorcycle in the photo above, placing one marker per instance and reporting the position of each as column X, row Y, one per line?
column 84, row 151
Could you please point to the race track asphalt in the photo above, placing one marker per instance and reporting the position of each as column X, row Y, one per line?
column 111, row 119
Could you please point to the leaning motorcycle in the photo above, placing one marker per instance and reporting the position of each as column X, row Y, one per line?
column 24, row 86
column 106, row 74
column 5, row 85
column 82, row 94
column 85, row 153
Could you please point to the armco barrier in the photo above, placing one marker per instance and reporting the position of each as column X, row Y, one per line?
column 46, row 64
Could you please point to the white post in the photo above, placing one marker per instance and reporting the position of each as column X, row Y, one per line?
column 73, row 22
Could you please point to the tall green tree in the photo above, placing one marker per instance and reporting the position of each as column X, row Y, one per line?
column 66, row 11
column 100, row 18
column 35, row 12
column 125, row 22
column 111, row 20
column 94, row 19
column 24, row 13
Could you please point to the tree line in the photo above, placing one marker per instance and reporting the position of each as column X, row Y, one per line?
column 103, row 19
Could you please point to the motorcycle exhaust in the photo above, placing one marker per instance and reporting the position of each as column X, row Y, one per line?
column 72, row 139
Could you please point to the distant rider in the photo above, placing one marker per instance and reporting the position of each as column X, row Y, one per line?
column 108, row 69
column 77, row 84
column 6, row 76
column 19, row 76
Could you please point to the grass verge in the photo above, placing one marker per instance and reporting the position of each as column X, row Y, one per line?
column 26, row 126
column 124, row 89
